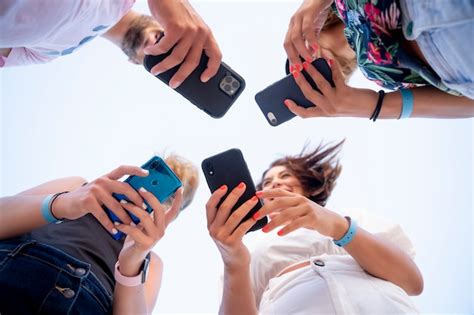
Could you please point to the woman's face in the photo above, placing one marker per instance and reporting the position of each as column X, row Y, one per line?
column 281, row 177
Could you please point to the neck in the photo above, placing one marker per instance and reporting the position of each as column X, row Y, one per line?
column 117, row 32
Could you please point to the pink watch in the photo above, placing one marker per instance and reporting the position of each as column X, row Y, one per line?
column 133, row 281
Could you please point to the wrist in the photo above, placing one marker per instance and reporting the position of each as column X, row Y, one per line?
column 57, row 208
column 235, row 269
column 359, row 103
column 131, row 266
column 340, row 227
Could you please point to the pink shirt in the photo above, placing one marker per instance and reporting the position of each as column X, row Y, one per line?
column 39, row 31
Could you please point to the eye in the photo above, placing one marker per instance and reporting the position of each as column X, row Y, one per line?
column 266, row 183
column 284, row 175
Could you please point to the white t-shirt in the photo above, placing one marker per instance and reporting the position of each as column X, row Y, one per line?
column 333, row 283
column 39, row 31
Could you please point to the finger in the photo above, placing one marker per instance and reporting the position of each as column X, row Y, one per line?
column 215, row 58
column 175, row 58
column 172, row 212
column 309, row 32
column 290, row 48
column 303, row 112
column 323, row 85
column 226, row 207
column 243, row 228
column 284, row 217
column 98, row 212
column 337, row 74
column 123, row 170
column 309, row 93
column 165, row 44
column 122, row 188
column 272, row 193
column 237, row 216
column 190, row 63
column 113, row 205
column 134, row 233
column 275, row 205
column 142, row 215
column 211, row 205
column 298, row 40
column 292, row 226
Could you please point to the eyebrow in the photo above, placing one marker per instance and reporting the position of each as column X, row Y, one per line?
column 267, row 178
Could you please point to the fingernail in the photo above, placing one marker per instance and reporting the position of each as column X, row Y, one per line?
column 287, row 103
column 259, row 194
column 116, row 223
column 305, row 65
column 241, row 185
column 295, row 74
column 331, row 62
column 308, row 60
column 204, row 79
column 315, row 47
column 280, row 233
column 142, row 189
column 223, row 187
column 123, row 201
column 133, row 223
column 292, row 68
column 255, row 216
column 146, row 172
column 114, row 231
column 144, row 206
column 175, row 84
column 299, row 67
column 265, row 229
column 156, row 72
column 254, row 198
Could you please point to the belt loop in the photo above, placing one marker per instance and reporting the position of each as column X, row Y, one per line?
column 20, row 247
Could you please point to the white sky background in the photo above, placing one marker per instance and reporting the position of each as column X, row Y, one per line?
column 86, row 113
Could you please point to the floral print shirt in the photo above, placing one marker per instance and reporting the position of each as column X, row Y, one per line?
column 374, row 30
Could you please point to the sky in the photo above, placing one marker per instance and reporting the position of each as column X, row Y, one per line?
column 91, row 111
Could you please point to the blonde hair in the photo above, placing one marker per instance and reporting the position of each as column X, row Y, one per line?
column 187, row 173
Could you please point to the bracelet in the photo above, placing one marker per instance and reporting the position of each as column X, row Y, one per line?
column 52, row 202
column 407, row 103
column 378, row 107
column 347, row 238
column 46, row 205
column 133, row 281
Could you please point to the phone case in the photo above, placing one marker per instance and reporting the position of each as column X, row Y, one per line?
column 214, row 97
column 270, row 100
column 162, row 182
column 229, row 168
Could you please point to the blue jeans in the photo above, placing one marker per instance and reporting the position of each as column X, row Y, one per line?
column 39, row 279
column 444, row 31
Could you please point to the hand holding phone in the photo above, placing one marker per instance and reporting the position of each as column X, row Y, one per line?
column 215, row 96
column 229, row 168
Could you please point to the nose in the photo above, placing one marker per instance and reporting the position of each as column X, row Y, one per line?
column 275, row 184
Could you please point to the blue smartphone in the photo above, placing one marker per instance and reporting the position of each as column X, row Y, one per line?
column 162, row 182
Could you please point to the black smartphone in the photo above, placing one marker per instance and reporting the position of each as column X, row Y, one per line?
column 229, row 168
column 214, row 97
column 270, row 100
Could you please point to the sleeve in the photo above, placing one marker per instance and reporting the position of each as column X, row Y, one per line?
column 22, row 56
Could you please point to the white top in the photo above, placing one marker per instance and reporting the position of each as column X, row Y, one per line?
column 333, row 283
column 40, row 30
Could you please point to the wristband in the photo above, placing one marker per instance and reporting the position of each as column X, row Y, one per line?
column 133, row 281
column 347, row 238
column 46, row 209
column 407, row 103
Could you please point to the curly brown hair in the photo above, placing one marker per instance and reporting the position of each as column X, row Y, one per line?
column 316, row 170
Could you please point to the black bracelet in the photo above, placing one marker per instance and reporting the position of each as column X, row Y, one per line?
column 56, row 195
column 378, row 107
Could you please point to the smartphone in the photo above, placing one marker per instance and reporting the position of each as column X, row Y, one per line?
column 229, row 168
column 161, row 181
column 214, row 97
column 270, row 100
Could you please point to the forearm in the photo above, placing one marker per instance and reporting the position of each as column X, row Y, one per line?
column 384, row 260
column 428, row 102
column 238, row 297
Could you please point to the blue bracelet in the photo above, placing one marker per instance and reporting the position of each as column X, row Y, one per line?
column 347, row 238
column 407, row 103
column 46, row 209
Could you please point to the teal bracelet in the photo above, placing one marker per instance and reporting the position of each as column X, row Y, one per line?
column 407, row 103
column 46, row 209
column 347, row 238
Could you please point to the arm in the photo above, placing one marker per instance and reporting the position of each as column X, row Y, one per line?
column 237, row 297
column 345, row 101
column 22, row 213
column 375, row 255
column 141, row 299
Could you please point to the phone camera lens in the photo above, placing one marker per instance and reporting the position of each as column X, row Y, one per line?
column 229, row 85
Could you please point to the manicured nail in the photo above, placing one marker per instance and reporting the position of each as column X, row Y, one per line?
column 116, row 223
column 308, row 60
column 254, row 198
column 255, row 216
column 241, row 185
column 315, row 47
column 204, row 79
column 123, row 201
column 144, row 206
column 142, row 189
column 146, row 172
column 156, row 72
column 265, row 229
column 114, row 231
column 299, row 67
column 223, row 187
column 175, row 84
column 305, row 65
column 295, row 74
column 287, row 103
column 280, row 233
column 259, row 194
column 292, row 68
column 331, row 62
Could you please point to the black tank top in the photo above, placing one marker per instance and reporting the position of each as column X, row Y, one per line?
column 87, row 240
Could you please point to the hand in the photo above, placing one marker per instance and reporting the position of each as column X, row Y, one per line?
column 303, row 31
column 294, row 211
column 224, row 227
column 184, row 28
column 339, row 101
column 91, row 197
column 144, row 236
